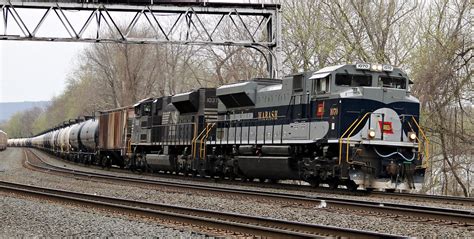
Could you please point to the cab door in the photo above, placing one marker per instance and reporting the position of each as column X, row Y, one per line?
column 334, row 110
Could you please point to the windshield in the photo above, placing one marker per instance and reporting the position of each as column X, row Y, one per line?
column 392, row 82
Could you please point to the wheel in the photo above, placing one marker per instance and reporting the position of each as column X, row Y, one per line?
column 333, row 183
column 351, row 185
column 314, row 183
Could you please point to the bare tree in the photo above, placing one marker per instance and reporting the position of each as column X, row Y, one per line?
column 443, row 68
column 309, row 41
column 373, row 31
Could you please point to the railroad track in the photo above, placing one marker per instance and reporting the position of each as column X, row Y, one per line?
column 460, row 218
column 466, row 201
column 450, row 200
column 240, row 225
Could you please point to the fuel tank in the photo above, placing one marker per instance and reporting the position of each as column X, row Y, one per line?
column 271, row 167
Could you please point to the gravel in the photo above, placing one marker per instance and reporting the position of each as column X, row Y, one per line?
column 333, row 217
column 29, row 217
column 374, row 198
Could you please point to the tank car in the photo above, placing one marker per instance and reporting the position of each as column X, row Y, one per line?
column 77, row 141
column 3, row 140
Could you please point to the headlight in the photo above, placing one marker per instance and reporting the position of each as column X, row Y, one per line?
column 412, row 136
column 371, row 133
column 376, row 67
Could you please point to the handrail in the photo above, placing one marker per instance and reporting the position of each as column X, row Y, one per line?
column 204, row 134
column 344, row 134
column 193, row 146
column 129, row 146
column 348, row 136
column 427, row 142
column 202, row 149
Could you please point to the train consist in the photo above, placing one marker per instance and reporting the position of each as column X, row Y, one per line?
column 354, row 125
column 3, row 140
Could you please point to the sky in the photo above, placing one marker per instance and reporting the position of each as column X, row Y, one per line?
column 35, row 71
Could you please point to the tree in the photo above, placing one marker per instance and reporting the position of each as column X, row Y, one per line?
column 309, row 42
column 442, row 67
column 373, row 31
column 21, row 124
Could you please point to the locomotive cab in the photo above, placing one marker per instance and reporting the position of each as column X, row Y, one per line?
column 373, row 124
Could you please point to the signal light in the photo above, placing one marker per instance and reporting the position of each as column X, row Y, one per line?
column 371, row 133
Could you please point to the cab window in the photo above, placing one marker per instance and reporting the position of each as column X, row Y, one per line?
column 353, row 80
column 392, row 82
column 321, row 85
column 298, row 83
column 137, row 111
column 146, row 109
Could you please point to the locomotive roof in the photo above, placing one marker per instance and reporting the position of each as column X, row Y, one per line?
column 360, row 68
column 143, row 100
column 259, row 81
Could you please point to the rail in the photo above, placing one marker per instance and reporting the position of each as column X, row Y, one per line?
column 460, row 217
column 179, row 133
column 202, row 145
column 194, row 142
column 241, row 131
column 244, row 225
column 202, row 137
column 426, row 144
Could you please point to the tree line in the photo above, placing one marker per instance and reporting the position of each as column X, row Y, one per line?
column 431, row 40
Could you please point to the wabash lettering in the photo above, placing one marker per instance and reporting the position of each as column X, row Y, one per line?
column 268, row 114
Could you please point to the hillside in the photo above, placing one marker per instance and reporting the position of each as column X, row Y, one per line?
column 7, row 109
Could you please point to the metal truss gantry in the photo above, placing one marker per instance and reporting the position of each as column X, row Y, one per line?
column 256, row 26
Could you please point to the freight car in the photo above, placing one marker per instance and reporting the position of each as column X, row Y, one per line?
column 3, row 140
column 354, row 125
